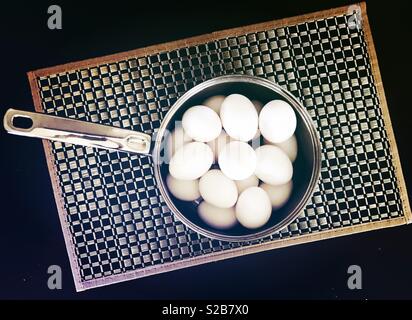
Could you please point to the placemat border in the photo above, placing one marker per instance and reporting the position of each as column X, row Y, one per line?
column 385, row 113
column 212, row 257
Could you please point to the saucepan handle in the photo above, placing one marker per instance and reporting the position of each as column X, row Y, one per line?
column 83, row 133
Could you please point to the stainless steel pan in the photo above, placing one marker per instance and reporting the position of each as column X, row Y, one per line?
column 306, row 166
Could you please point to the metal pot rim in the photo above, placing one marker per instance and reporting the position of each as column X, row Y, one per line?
column 308, row 123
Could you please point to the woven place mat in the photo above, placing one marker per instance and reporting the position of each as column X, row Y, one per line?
column 115, row 223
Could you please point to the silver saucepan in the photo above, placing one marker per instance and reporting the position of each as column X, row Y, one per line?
column 306, row 166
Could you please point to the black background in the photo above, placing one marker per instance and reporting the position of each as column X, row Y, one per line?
column 30, row 233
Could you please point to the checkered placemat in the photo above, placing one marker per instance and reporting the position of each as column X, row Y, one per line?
column 115, row 222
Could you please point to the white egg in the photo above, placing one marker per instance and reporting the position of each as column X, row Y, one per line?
column 253, row 208
column 214, row 103
column 201, row 123
column 187, row 190
column 277, row 121
column 218, row 144
column 237, row 160
column 239, row 117
column 278, row 195
column 175, row 140
column 191, row 161
column 219, row 218
column 217, row 189
column 273, row 165
column 242, row 185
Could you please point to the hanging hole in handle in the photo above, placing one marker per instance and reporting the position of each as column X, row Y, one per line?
column 22, row 122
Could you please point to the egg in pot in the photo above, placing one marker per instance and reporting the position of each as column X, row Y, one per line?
column 201, row 123
column 253, row 208
column 239, row 117
column 191, row 161
column 217, row 189
column 219, row 218
column 186, row 190
column 277, row 121
column 273, row 165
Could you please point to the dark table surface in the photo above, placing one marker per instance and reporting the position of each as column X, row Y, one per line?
column 30, row 236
